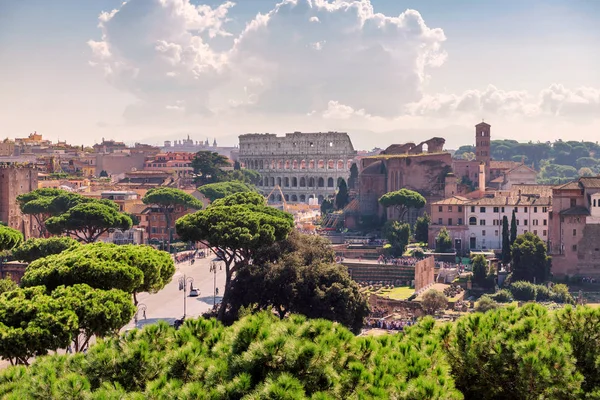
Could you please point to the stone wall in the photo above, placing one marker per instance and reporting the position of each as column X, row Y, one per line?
column 303, row 165
column 424, row 273
column 588, row 252
column 16, row 179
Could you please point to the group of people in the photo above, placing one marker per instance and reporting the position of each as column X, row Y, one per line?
column 390, row 325
column 404, row 261
column 588, row 279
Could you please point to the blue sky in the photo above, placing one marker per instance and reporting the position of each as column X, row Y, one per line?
column 157, row 70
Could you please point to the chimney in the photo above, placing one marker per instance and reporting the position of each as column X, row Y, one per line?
column 482, row 177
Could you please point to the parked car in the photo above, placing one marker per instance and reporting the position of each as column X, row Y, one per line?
column 194, row 292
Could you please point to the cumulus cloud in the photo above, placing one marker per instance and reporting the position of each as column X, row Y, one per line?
column 336, row 110
column 303, row 52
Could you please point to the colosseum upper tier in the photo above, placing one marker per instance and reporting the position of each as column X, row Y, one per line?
column 304, row 165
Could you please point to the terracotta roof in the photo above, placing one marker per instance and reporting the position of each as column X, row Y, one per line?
column 591, row 182
column 451, row 200
column 579, row 210
column 503, row 164
column 525, row 188
column 512, row 201
column 353, row 206
column 568, row 186
column 499, row 179
column 520, row 166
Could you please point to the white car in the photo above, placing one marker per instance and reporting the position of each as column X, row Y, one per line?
column 194, row 292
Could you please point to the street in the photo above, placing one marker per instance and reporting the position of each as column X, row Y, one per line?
column 168, row 303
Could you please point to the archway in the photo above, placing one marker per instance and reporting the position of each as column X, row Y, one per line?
column 295, row 164
column 330, row 182
column 311, row 164
column 294, row 198
column 279, row 181
column 340, row 164
column 272, row 164
column 330, row 164
column 294, row 182
column 286, row 182
column 311, row 182
column 272, row 181
column 287, row 164
column 321, row 198
column 260, row 165
column 287, row 197
column 321, row 182
column 302, row 182
column 280, row 164
column 303, row 198
column 321, row 164
column 303, row 164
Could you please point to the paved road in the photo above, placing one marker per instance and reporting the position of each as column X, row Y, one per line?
column 168, row 303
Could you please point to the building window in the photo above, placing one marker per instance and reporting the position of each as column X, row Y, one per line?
column 545, row 222
column 472, row 208
column 472, row 221
column 496, row 209
column 449, row 208
column 544, row 209
column 544, row 233
column 517, row 222
column 482, row 222
column 524, row 209
column 483, row 232
column 440, row 222
column 573, row 202
column 450, row 221
column 535, row 232
column 482, row 209
column 440, row 208
column 516, row 209
column 525, row 222
column 574, row 247
column 502, row 209
column 496, row 232
column 460, row 222
column 534, row 209
column 459, row 208
column 534, row 222
column 574, row 232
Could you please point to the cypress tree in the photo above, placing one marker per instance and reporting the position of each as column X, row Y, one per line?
column 513, row 228
column 505, row 241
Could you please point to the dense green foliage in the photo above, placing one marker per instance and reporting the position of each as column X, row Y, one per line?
column 34, row 248
column 130, row 268
column 214, row 191
column 99, row 312
column 7, row 284
column 513, row 229
column 505, row 241
column 260, row 357
column 353, row 179
column 502, row 296
column 480, row 269
column 443, row 241
column 327, row 206
column 422, row 228
column 299, row 276
column 529, row 259
column 557, row 162
column 38, row 204
column 485, row 304
column 397, row 235
column 208, row 164
column 9, row 238
column 434, row 301
column 527, row 291
column 236, row 227
column 88, row 221
column 31, row 323
column 403, row 200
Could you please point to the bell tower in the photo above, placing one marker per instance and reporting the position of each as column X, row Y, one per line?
column 482, row 146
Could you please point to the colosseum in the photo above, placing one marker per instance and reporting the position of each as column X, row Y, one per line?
column 304, row 165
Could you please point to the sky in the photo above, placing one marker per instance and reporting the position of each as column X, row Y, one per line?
column 385, row 71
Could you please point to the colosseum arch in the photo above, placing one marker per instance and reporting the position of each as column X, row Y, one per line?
column 311, row 182
column 279, row 181
column 272, row 181
column 286, row 182
column 340, row 164
column 294, row 182
column 348, row 164
column 321, row 164
column 280, row 164
column 272, row 164
column 330, row 182
column 303, row 164
column 295, row 164
column 260, row 182
column 287, row 164
column 321, row 182
column 321, row 198
column 302, row 182
column 330, row 164
column 287, row 197
column 294, row 198
column 311, row 164
column 303, row 198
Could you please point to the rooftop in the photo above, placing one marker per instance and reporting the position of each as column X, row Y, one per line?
column 451, row 201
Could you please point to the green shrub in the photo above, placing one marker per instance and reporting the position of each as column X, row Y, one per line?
column 542, row 293
column 485, row 304
column 502, row 296
column 523, row 291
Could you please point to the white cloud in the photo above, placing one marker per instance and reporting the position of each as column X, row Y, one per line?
column 293, row 61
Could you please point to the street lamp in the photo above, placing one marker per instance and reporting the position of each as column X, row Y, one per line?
column 182, row 286
column 213, row 269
